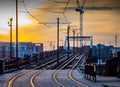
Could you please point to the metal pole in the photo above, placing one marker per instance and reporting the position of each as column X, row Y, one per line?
column 99, row 59
column 68, row 48
column 91, row 45
column 77, row 43
column 53, row 45
column 116, row 43
column 81, row 31
column 10, row 24
column 17, row 30
column 73, row 41
column 11, row 39
column 58, row 41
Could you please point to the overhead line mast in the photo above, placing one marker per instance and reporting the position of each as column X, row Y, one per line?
column 17, row 30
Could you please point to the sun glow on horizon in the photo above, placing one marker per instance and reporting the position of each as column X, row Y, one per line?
column 102, row 24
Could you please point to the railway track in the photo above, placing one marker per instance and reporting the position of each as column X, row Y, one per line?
column 31, row 79
column 71, row 76
column 57, row 71
column 37, row 73
column 10, row 83
column 39, row 66
column 52, row 63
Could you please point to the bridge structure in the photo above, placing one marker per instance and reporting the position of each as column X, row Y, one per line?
column 44, row 66
column 42, row 69
column 77, row 39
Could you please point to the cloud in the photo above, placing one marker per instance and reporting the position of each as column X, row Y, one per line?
column 102, row 22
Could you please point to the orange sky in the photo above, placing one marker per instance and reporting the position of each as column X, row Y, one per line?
column 102, row 24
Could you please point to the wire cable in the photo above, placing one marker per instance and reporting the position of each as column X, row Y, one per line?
column 65, row 11
column 27, row 11
column 57, row 1
column 66, row 6
column 83, row 4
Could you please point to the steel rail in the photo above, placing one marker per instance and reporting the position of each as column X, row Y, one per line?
column 57, row 71
column 71, row 76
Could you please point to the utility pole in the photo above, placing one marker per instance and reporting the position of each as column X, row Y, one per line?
column 10, row 24
column 116, row 42
column 58, row 41
column 78, row 45
column 77, row 42
column 17, row 32
column 99, row 58
column 73, row 41
column 62, row 45
column 53, row 45
column 68, row 48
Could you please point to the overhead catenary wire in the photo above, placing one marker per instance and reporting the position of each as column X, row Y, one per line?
column 65, row 17
column 65, row 8
column 83, row 4
column 57, row 1
column 45, row 23
column 65, row 11
column 47, row 10
column 27, row 11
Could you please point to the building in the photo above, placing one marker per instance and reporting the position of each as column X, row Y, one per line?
column 38, row 47
column 114, row 51
column 4, row 49
column 29, row 48
column 24, row 48
column 101, row 53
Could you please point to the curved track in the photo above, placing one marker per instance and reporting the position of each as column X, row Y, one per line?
column 37, row 73
column 71, row 76
column 54, row 75
column 57, row 71
column 31, row 79
column 11, row 81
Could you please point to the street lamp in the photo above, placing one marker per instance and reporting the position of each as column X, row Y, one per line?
column 17, row 33
column 10, row 24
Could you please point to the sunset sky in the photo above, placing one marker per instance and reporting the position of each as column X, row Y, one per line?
column 101, row 23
